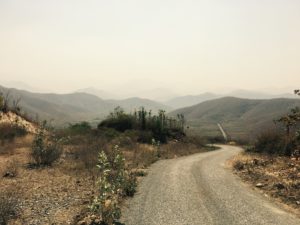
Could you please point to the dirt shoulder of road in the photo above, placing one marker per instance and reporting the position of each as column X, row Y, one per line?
column 276, row 177
column 62, row 194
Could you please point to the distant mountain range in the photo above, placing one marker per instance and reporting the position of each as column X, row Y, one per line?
column 241, row 118
column 74, row 107
column 156, row 94
column 189, row 100
column 97, row 92
column 165, row 96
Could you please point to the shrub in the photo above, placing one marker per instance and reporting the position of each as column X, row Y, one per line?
column 130, row 184
column 80, row 128
column 107, row 202
column 273, row 142
column 107, row 133
column 45, row 150
column 121, row 123
column 114, row 182
column 9, row 201
column 145, row 137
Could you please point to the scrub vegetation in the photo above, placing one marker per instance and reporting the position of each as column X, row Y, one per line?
column 81, row 174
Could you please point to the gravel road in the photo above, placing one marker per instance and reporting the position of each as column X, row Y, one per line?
column 198, row 189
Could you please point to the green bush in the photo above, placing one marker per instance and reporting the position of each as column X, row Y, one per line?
column 107, row 203
column 130, row 185
column 80, row 128
column 114, row 182
column 158, row 126
column 45, row 149
column 121, row 124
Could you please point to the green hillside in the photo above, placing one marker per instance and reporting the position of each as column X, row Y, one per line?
column 241, row 118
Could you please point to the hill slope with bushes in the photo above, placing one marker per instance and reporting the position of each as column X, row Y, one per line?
column 241, row 118
column 74, row 107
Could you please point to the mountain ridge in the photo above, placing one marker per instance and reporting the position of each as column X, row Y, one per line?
column 74, row 107
column 240, row 117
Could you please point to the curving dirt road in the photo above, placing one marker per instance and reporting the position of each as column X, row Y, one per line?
column 198, row 190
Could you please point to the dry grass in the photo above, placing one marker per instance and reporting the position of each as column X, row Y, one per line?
column 9, row 204
column 49, row 195
column 278, row 177
column 9, row 146
column 11, row 169
column 63, row 192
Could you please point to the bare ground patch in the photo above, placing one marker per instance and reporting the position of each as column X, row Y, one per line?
column 275, row 176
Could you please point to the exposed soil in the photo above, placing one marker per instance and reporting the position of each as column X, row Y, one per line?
column 12, row 118
column 277, row 177
column 47, row 195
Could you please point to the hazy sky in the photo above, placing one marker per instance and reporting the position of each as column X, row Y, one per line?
column 185, row 45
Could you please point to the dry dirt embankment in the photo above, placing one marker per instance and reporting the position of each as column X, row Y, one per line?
column 14, row 119
column 275, row 176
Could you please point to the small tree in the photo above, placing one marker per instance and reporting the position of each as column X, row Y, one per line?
column 289, row 121
column 6, row 100
column 16, row 105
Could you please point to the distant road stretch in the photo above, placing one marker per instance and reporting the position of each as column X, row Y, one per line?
column 223, row 132
column 199, row 190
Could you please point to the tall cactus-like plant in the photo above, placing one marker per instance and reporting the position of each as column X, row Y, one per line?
column 142, row 118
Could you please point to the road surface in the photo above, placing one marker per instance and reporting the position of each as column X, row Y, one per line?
column 199, row 190
column 223, row 132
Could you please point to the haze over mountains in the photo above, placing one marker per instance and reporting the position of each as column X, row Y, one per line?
column 189, row 100
column 165, row 96
column 241, row 112
column 157, row 92
column 74, row 107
